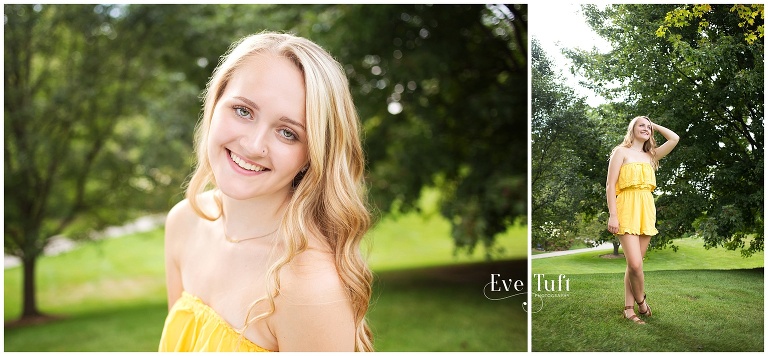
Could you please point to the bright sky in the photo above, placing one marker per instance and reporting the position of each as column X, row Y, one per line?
column 562, row 25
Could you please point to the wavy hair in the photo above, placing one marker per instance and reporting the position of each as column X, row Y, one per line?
column 648, row 146
column 329, row 199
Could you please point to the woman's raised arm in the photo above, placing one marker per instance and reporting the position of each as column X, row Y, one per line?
column 672, row 139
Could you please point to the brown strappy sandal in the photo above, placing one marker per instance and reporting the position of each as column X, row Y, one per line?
column 647, row 307
column 632, row 317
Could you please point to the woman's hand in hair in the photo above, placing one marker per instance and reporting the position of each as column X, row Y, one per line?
column 672, row 139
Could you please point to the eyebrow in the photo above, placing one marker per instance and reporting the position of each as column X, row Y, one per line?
column 293, row 122
column 284, row 118
column 248, row 101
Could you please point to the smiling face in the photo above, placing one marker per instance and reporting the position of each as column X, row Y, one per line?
column 257, row 141
column 643, row 129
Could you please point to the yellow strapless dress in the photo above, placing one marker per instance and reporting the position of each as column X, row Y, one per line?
column 634, row 199
column 192, row 325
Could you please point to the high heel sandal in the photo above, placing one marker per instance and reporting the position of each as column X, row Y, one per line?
column 647, row 307
column 632, row 317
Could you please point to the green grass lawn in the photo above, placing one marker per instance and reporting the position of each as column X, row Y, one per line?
column 702, row 300
column 412, row 241
column 110, row 295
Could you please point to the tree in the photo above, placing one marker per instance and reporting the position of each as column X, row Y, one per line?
column 570, row 144
column 698, row 70
column 441, row 91
column 76, row 156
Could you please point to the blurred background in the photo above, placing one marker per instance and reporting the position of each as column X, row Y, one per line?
column 100, row 105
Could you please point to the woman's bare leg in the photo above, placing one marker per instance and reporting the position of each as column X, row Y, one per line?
column 645, row 240
column 629, row 299
column 634, row 281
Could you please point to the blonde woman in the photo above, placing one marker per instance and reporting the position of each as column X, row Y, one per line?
column 631, row 179
column 264, row 252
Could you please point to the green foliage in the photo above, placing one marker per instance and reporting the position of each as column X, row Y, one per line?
column 79, row 84
column 569, row 151
column 749, row 16
column 700, row 77
column 441, row 91
column 593, row 228
column 549, row 236
column 682, row 16
column 76, row 78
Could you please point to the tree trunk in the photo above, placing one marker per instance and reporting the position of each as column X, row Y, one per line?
column 29, row 295
column 615, row 247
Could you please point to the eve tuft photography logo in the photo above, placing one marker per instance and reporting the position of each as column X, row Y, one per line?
column 545, row 286
column 502, row 288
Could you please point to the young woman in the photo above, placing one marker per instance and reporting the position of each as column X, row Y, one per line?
column 631, row 179
column 264, row 252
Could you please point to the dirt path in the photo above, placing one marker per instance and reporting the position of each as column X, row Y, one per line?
column 605, row 246
column 61, row 244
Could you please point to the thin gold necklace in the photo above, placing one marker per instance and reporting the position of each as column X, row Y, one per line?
column 226, row 237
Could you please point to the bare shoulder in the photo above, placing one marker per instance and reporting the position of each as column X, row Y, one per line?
column 313, row 311
column 180, row 213
column 618, row 155
column 182, row 217
column 312, row 278
column 622, row 151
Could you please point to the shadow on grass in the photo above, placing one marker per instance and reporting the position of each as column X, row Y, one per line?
column 32, row 321
column 427, row 309
column 445, row 309
column 132, row 328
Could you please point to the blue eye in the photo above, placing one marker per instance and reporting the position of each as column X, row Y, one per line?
column 242, row 112
column 287, row 134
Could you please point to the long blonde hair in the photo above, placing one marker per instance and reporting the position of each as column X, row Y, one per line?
column 328, row 199
column 648, row 146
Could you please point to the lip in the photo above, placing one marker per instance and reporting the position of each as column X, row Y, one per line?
column 241, row 170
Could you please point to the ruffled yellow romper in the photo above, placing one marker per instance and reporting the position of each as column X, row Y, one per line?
column 634, row 200
column 192, row 325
